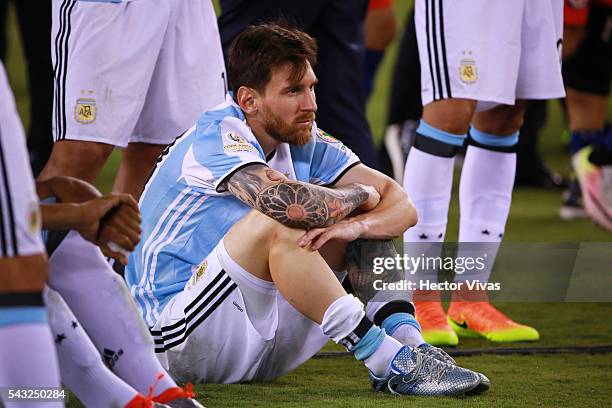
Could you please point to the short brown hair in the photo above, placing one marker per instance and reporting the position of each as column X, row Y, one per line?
column 259, row 49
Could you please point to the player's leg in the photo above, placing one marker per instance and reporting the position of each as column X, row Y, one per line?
column 136, row 165
column 81, row 367
column 76, row 158
column 305, row 280
column 459, row 57
column 78, row 270
column 28, row 355
column 390, row 309
column 187, row 80
column 587, row 77
column 441, row 132
column 485, row 195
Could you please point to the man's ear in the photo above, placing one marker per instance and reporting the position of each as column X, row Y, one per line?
column 247, row 100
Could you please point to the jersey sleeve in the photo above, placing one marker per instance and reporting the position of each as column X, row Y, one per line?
column 220, row 151
column 331, row 160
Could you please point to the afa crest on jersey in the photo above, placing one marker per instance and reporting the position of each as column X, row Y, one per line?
column 85, row 110
column 326, row 137
column 197, row 274
column 468, row 72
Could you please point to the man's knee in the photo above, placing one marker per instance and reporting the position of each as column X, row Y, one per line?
column 76, row 158
column 502, row 120
column 450, row 115
column 265, row 228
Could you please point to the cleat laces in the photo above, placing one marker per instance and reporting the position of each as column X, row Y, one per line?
column 427, row 368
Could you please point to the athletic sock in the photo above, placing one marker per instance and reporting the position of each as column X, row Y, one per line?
column 431, row 195
column 404, row 328
column 345, row 323
column 28, row 353
column 379, row 362
column 485, row 195
column 100, row 300
column 601, row 138
column 398, row 321
column 81, row 365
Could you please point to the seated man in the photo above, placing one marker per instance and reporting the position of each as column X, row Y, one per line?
column 232, row 286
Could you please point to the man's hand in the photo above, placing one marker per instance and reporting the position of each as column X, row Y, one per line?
column 120, row 232
column 346, row 230
column 373, row 198
column 112, row 218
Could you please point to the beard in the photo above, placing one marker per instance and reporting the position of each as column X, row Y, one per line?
column 285, row 132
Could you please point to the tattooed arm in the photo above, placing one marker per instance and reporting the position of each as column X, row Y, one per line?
column 297, row 204
column 393, row 215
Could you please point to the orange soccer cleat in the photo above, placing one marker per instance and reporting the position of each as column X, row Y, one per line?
column 432, row 318
column 481, row 319
column 178, row 397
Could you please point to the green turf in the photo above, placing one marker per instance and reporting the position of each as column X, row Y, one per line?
column 551, row 381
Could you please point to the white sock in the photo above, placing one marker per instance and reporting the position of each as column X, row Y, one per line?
column 408, row 335
column 485, row 195
column 28, row 356
column 431, row 195
column 379, row 363
column 81, row 365
column 100, row 300
column 428, row 180
column 345, row 323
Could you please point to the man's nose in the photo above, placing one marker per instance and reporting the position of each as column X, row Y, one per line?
column 309, row 103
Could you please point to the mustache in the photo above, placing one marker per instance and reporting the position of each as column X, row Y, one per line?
column 304, row 118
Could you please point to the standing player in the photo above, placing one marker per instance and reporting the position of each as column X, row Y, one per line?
column 129, row 74
column 486, row 57
column 233, row 287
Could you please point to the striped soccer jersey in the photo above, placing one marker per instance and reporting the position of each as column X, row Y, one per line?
column 186, row 209
column 19, row 211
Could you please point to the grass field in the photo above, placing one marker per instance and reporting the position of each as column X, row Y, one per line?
column 551, row 381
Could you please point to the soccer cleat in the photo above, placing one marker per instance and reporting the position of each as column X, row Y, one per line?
column 476, row 319
column 596, row 186
column 437, row 353
column 572, row 207
column 434, row 326
column 415, row 373
column 443, row 356
column 140, row 401
column 178, row 397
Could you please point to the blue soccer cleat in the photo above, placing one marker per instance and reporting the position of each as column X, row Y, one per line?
column 414, row 372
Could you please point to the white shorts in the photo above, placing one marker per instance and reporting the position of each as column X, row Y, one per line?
column 206, row 335
column 492, row 51
column 19, row 211
column 138, row 71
